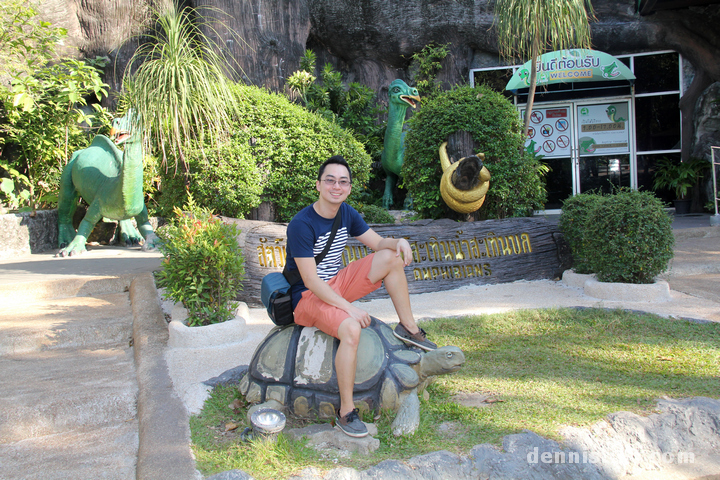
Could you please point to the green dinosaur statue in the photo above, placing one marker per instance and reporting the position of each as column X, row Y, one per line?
column 111, row 182
column 401, row 96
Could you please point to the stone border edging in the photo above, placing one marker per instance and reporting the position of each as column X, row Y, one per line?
column 213, row 335
column 164, row 428
column 619, row 444
column 657, row 292
column 629, row 292
column 182, row 336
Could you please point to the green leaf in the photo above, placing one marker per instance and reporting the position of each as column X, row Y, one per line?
column 7, row 186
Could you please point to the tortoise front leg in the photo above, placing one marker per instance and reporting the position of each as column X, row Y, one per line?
column 407, row 419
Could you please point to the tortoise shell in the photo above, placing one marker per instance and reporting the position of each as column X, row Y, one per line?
column 295, row 366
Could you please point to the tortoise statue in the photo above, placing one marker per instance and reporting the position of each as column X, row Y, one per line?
column 295, row 366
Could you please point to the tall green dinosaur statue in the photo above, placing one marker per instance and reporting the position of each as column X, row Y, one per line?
column 111, row 182
column 401, row 97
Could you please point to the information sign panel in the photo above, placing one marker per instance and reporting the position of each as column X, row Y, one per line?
column 549, row 131
column 603, row 129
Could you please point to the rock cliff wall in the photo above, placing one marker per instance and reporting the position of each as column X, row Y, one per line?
column 372, row 41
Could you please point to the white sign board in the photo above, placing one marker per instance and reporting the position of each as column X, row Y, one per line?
column 549, row 132
column 603, row 129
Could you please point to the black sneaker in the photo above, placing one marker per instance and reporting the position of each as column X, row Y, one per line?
column 351, row 424
column 418, row 339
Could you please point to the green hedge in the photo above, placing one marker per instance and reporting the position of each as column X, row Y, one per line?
column 225, row 180
column 516, row 186
column 625, row 237
column 573, row 224
column 273, row 155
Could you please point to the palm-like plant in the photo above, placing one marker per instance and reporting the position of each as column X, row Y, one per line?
column 529, row 28
column 179, row 88
column 679, row 177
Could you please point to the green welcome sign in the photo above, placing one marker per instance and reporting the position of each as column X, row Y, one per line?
column 577, row 65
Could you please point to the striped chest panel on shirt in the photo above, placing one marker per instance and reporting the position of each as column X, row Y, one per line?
column 332, row 262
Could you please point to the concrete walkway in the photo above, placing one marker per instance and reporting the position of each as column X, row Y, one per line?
column 86, row 392
column 71, row 377
column 69, row 388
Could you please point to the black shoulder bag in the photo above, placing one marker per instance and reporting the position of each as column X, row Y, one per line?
column 275, row 287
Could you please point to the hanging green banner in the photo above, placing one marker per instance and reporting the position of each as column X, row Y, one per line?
column 577, row 65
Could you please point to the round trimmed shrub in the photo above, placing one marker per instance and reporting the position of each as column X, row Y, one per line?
column 273, row 155
column 224, row 179
column 573, row 225
column 516, row 186
column 374, row 214
column 629, row 237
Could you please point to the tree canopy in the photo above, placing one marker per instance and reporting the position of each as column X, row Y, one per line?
column 529, row 28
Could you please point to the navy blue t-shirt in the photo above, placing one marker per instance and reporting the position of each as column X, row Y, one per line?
column 307, row 235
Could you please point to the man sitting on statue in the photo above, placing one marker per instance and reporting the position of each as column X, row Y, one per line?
column 324, row 296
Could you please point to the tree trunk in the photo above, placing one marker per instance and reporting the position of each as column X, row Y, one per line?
column 533, row 85
column 687, row 110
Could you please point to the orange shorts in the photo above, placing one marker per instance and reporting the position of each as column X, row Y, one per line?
column 352, row 283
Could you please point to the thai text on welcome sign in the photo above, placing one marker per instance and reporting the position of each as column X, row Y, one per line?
column 433, row 258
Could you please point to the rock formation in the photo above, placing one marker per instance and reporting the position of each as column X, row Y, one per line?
column 372, row 42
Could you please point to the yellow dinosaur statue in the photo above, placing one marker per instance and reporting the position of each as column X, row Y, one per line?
column 464, row 183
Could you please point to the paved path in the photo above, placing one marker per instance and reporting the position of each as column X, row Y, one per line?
column 73, row 316
column 69, row 389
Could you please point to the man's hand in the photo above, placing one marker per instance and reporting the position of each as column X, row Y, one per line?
column 362, row 317
column 403, row 248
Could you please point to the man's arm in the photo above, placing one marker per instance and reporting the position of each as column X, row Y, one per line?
column 372, row 240
column 308, row 271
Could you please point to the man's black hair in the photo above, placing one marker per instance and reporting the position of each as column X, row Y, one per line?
column 337, row 159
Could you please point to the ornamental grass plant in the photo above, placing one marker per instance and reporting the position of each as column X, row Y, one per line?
column 541, row 369
column 203, row 267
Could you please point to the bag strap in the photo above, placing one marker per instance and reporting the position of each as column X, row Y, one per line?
column 294, row 276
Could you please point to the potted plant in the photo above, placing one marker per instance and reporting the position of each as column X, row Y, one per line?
column 680, row 177
column 203, row 267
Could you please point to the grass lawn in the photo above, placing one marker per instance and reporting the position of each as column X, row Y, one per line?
column 547, row 368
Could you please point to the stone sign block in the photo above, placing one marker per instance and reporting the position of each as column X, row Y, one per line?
column 446, row 254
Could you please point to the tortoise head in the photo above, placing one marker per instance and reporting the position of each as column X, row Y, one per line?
column 446, row 359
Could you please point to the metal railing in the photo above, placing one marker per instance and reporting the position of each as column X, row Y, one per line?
column 715, row 164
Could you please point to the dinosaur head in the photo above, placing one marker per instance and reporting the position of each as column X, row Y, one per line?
column 524, row 74
column 124, row 128
column 402, row 95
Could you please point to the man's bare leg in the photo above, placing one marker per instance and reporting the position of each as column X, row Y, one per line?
column 346, row 362
column 348, row 419
column 391, row 269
